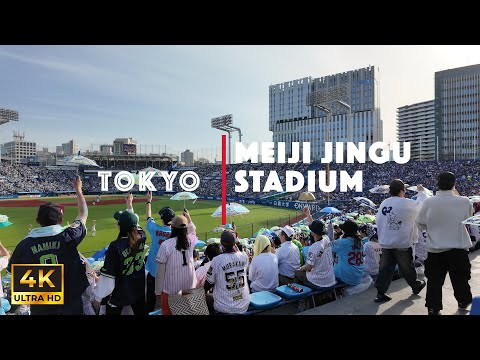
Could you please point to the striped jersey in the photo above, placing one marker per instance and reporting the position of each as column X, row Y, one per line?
column 228, row 273
column 180, row 266
column 320, row 256
column 372, row 251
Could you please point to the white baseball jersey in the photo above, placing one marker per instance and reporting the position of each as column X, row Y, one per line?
column 474, row 230
column 320, row 256
column 180, row 268
column 288, row 259
column 263, row 272
column 372, row 251
column 228, row 273
column 420, row 247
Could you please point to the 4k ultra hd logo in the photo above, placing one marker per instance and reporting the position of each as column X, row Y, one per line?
column 35, row 284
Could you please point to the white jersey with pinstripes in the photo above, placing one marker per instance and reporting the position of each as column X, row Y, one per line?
column 321, row 258
column 228, row 273
column 179, row 268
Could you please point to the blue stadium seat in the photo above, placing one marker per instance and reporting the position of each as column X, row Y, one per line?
column 287, row 293
column 263, row 300
column 475, row 309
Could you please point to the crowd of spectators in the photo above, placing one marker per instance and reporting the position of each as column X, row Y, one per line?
column 22, row 178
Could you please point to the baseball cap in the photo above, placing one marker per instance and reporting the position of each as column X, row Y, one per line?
column 317, row 227
column 118, row 213
column 126, row 219
column 227, row 238
column 179, row 221
column 166, row 214
column 228, row 227
column 50, row 214
column 288, row 230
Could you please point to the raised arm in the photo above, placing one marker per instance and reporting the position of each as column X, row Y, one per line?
column 306, row 212
column 82, row 204
column 149, row 205
column 191, row 228
column 4, row 251
column 129, row 202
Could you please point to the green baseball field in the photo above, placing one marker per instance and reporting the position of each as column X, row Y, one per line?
column 22, row 213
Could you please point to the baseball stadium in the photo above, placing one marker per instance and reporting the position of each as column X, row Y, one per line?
column 125, row 228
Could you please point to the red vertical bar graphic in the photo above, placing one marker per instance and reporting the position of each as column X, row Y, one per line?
column 224, row 179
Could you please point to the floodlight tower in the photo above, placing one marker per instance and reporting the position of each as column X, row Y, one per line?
column 224, row 123
column 7, row 115
column 325, row 100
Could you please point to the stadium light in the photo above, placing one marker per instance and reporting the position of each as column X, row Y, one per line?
column 224, row 123
column 325, row 100
column 7, row 115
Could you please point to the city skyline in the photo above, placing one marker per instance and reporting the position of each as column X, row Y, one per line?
column 94, row 94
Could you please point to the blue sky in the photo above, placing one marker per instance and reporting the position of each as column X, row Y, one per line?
column 166, row 95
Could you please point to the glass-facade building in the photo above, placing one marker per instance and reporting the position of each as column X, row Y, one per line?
column 457, row 112
column 292, row 120
column 416, row 124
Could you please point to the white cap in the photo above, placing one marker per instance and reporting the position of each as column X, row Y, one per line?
column 288, row 230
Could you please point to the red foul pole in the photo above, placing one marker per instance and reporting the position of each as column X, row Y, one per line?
column 224, row 179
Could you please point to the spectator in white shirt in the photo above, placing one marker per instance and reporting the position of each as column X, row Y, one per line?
column 263, row 271
column 317, row 273
column 372, row 252
column 396, row 234
column 447, row 243
column 288, row 256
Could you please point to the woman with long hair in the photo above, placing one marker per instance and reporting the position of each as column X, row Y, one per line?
column 175, row 264
column 122, row 277
column 349, row 254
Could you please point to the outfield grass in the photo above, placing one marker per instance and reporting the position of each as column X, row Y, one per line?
column 107, row 231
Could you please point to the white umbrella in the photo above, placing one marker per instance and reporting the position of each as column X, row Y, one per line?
column 474, row 199
column 184, row 195
column 233, row 209
column 148, row 169
column 363, row 201
column 380, row 189
column 427, row 191
column 80, row 160
column 474, row 220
